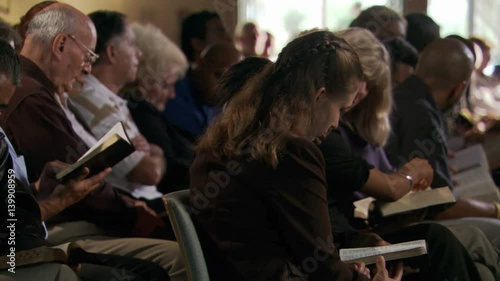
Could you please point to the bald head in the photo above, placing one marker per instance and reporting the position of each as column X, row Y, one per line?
column 445, row 63
column 60, row 40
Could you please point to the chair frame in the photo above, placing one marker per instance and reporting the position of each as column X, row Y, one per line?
column 176, row 204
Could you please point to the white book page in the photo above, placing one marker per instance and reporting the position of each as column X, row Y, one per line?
column 116, row 130
column 475, row 183
column 357, row 253
column 469, row 157
column 361, row 207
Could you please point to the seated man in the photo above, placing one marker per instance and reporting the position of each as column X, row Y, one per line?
column 24, row 215
column 97, row 108
column 441, row 78
column 193, row 108
column 200, row 30
column 51, row 59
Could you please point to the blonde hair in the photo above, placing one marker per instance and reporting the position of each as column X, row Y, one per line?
column 370, row 118
column 159, row 54
column 276, row 104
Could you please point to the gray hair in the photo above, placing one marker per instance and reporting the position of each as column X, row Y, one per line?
column 45, row 26
column 159, row 54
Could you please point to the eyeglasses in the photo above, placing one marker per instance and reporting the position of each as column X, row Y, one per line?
column 90, row 56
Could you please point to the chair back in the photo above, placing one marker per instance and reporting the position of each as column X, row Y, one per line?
column 177, row 204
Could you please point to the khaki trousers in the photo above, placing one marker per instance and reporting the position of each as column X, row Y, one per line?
column 165, row 253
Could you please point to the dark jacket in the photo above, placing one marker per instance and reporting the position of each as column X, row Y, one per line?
column 40, row 131
column 175, row 143
column 418, row 130
column 259, row 223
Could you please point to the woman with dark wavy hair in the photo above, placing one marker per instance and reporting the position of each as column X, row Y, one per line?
column 258, row 190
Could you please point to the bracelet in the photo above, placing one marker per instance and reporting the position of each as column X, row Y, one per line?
column 497, row 205
column 408, row 177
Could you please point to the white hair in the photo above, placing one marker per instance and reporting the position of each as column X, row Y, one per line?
column 159, row 54
column 46, row 25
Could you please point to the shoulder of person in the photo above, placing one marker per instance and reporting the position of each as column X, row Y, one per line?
column 304, row 149
column 29, row 93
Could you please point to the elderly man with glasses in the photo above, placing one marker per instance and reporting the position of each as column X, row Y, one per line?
column 57, row 50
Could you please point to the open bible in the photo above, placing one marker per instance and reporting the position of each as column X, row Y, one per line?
column 410, row 202
column 471, row 174
column 368, row 255
column 113, row 147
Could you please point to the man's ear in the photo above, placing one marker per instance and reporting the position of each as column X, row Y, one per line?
column 319, row 93
column 59, row 45
column 458, row 90
column 111, row 53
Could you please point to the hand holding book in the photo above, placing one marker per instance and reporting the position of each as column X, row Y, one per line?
column 57, row 196
column 410, row 202
column 107, row 152
column 382, row 274
column 398, row 251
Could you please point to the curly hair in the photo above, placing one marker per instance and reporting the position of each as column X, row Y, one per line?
column 376, row 18
column 276, row 104
column 159, row 53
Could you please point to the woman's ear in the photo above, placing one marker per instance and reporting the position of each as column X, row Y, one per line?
column 319, row 92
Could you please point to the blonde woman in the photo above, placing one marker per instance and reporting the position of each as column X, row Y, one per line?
column 161, row 65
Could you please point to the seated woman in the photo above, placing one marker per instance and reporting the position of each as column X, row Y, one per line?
column 258, row 189
column 161, row 65
column 232, row 81
column 363, row 130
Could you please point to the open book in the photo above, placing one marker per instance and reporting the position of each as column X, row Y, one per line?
column 107, row 152
column 410, row 202
column 398, row 251
column 472, row 176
